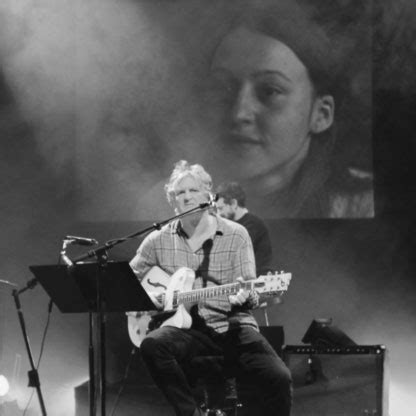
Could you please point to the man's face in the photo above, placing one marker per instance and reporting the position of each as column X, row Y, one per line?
column 189, row 193
column 225, row 210
column 261, row 95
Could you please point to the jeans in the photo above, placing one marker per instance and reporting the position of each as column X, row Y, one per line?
column 167, row 350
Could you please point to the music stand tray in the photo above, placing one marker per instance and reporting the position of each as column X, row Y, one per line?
column 74, row 288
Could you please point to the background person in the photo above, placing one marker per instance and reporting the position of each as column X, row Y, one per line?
column 231, row 204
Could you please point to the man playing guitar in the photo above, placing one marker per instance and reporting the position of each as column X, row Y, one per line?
column 219, row 251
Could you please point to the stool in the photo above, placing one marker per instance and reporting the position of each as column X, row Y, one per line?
column 214, row 385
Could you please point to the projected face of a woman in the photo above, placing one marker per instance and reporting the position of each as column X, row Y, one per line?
column 265, row 106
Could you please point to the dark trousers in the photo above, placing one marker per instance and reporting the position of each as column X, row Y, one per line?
column 167, row 351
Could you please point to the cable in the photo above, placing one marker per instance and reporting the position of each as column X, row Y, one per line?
column 28, row 402
column 42, row 345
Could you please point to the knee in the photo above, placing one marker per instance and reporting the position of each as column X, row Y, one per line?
column 276, row 377
column 283, row 377
column 283, row 386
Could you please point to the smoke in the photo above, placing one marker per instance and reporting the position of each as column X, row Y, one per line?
column 106, row 86
column 394, row 52
column 67, row 60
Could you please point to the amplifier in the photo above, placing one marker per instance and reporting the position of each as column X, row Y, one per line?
column 341, row 381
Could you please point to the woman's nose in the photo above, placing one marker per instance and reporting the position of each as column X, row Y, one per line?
column 245, row 105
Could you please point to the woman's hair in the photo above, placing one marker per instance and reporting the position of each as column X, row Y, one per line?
column 183, row 169
column 291, row 24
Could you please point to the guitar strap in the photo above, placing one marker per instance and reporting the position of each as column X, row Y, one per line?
column 202, row 273
column 203, row 268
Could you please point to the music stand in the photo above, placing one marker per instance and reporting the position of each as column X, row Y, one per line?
column 94, row 288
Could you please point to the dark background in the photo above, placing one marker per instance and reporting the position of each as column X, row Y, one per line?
column 60, row 135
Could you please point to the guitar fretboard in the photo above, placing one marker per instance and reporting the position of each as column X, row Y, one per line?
column 211, row 292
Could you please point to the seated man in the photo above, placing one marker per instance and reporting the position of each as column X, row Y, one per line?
column 220, row 252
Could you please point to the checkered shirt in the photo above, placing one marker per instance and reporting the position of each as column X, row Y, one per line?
column 231, row 256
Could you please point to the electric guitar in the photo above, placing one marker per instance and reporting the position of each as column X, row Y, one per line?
column 176, row 295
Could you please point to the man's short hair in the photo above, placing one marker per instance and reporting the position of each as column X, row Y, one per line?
column 232, row 190
column 183, row 169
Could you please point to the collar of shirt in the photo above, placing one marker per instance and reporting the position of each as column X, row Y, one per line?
column 176, row 227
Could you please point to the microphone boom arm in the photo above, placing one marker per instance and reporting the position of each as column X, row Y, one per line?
column 100, row 251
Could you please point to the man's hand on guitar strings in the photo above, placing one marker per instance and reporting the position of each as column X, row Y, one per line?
column 251, row 298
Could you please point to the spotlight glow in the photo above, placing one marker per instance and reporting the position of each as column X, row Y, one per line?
column 4, row 385
column 402, row 400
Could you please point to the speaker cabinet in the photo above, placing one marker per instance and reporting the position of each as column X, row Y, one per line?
column 348, row 381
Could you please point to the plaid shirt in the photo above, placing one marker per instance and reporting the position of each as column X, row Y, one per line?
column 230, row 256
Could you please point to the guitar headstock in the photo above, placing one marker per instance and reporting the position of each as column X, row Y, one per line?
column 272, row 282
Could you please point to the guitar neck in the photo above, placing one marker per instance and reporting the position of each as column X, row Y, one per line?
column 212, row 292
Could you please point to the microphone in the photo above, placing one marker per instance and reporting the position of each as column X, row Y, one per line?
column 82, row 241
column 212, row 200
column 29, row 285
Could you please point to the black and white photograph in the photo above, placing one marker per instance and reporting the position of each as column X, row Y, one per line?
column 208, row 207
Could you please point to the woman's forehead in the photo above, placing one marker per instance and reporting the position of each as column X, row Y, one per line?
column 245, row 52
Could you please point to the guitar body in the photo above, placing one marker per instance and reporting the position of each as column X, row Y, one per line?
column 181, row 281
column 158, row 281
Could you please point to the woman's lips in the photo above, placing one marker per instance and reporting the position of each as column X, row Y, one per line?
column 239, row 138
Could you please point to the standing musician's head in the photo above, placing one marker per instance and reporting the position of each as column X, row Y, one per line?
column 231, row 197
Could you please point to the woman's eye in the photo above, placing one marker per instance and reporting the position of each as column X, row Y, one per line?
column 269, row 92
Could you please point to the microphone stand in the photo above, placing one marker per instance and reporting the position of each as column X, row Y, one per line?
column 101, row 255
column 155, row 226
column 33, row 373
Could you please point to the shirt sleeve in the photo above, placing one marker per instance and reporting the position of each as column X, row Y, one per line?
column 246, row 266
column 145, row 257
column 244, row 261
